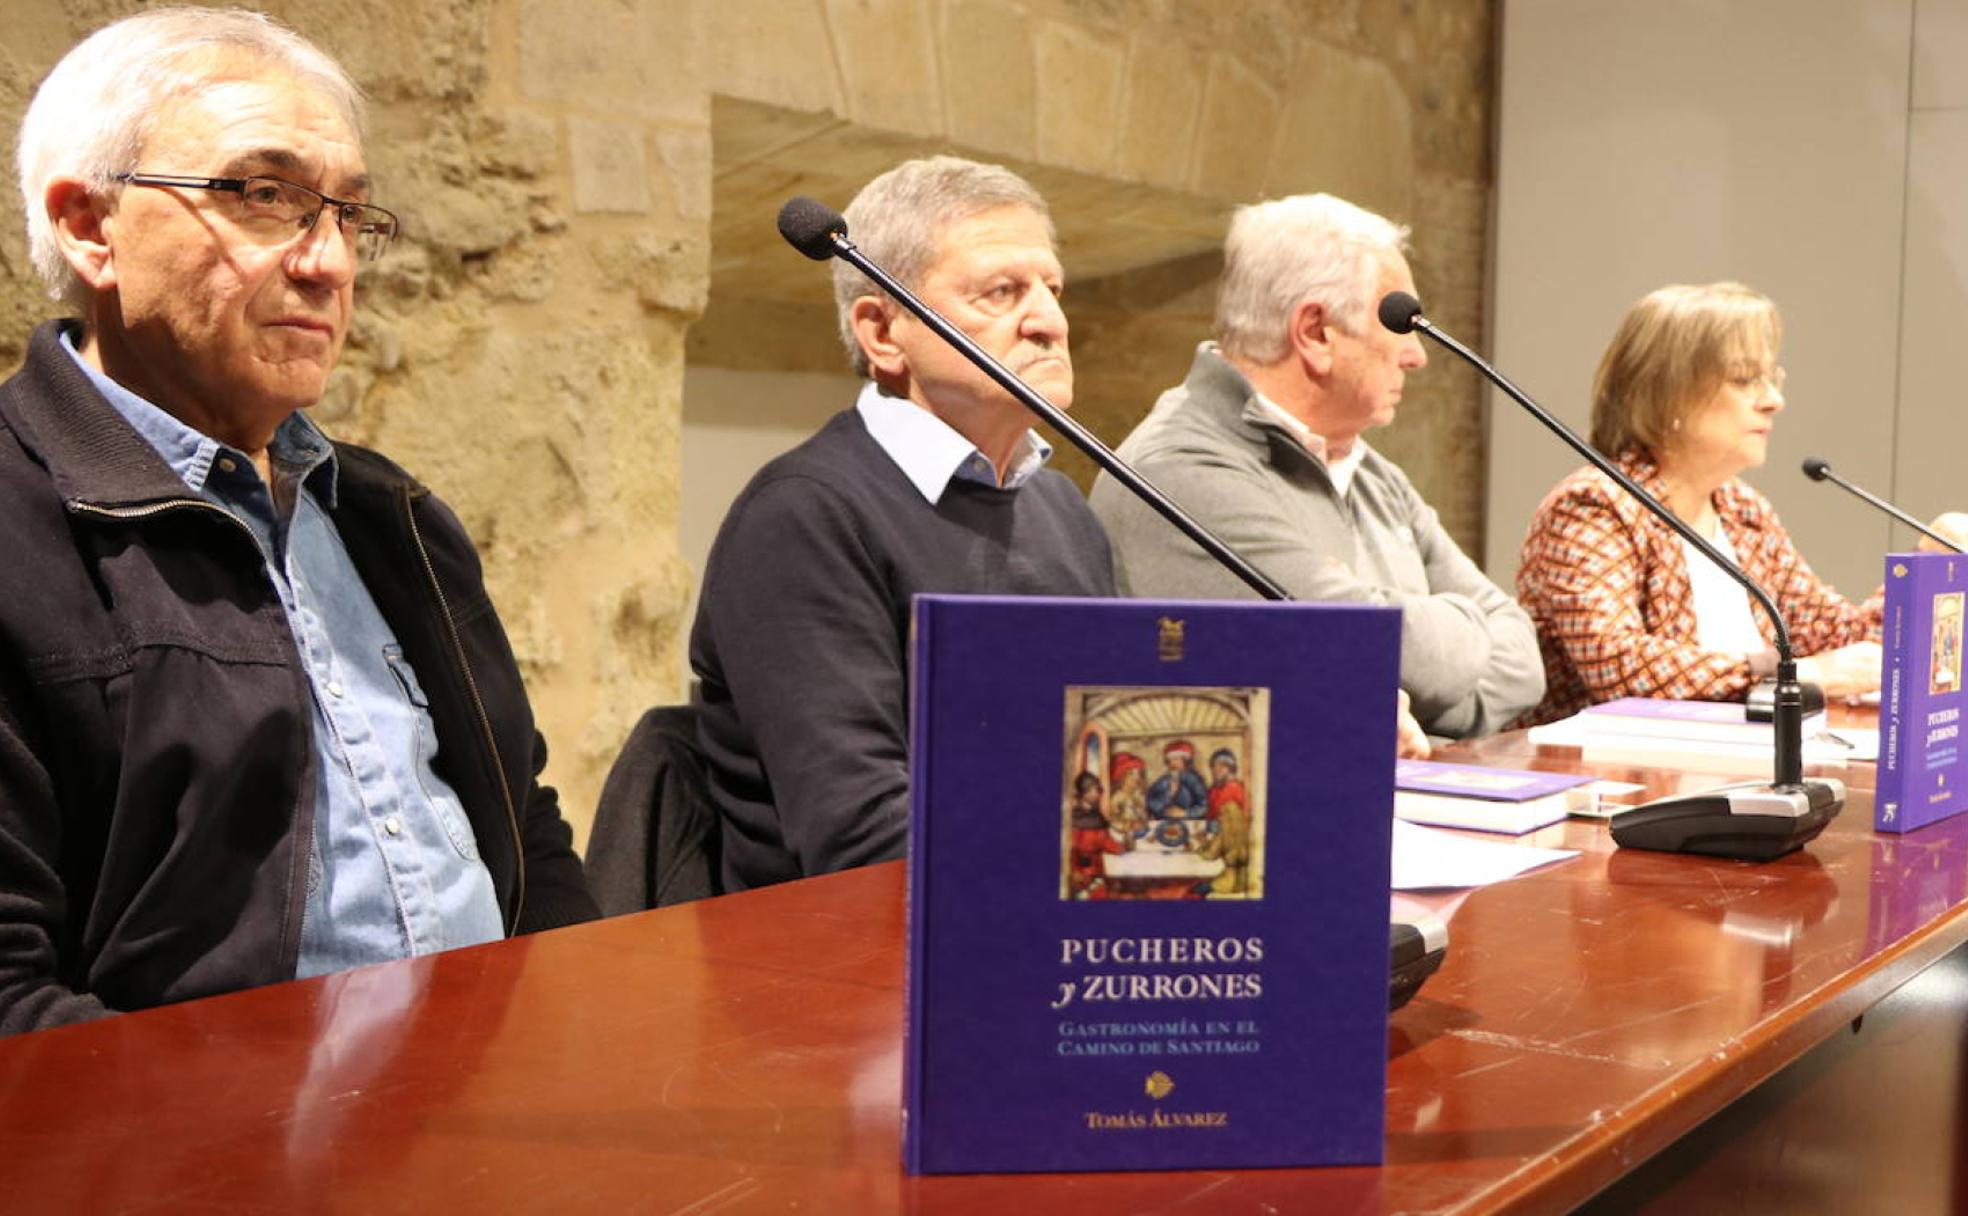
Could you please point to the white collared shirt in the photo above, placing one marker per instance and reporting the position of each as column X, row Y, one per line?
column 931, row 453
column 1341, row 471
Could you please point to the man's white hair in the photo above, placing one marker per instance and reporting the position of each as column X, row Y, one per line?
column 98, row 108
column 898, row 218
column 1288, row 250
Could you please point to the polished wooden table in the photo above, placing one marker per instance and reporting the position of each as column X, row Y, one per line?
column 744, row 1054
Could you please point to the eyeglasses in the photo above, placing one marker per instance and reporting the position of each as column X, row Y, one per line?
column 1749, row 379
column 279, row 210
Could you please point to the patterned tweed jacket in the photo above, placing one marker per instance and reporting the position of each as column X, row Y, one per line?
column 1607, row 585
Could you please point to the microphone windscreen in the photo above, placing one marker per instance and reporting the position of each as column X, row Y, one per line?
column 809, row 226
column 1398, row 311
column 1815, row 468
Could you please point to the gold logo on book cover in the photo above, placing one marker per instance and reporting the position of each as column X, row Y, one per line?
column 1899, row 569
column 1169, row 644
column 1159, row 1085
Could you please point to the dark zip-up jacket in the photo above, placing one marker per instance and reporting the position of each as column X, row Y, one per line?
column 156, row 757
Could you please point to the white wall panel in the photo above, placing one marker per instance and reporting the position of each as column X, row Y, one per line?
column 1931, row 424
column 1690, row 141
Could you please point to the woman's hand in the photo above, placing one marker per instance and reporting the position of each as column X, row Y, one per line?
column 1410, row 741
column 1848, row 671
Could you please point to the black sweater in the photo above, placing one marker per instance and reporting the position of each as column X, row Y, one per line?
column 801, row 640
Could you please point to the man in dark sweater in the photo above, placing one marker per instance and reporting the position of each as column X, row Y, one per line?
column 932, row 482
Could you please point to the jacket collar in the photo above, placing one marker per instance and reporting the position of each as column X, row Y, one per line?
column 92, row 455
column 95, row 457
column 1227, row 395
column 1231, row 402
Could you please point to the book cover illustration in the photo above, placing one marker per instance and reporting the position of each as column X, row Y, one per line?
column 1921, row 774
column 1191, row 829
column 1944, row 667
column 1149, row 861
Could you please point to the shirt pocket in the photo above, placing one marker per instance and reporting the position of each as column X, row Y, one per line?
column 442, row 802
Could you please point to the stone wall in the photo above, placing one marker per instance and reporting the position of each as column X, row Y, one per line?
column 555, row 163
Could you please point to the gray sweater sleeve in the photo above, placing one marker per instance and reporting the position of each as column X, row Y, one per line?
column 1469, row 656
column 1469, row 653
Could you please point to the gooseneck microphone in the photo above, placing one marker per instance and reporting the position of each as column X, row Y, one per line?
column 1820, row 470
column 1752, row 822
column 820, row 232
column 812, row 227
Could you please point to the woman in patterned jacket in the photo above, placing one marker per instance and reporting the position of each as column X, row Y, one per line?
column 1684, row 401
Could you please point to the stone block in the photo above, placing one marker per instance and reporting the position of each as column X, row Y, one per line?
column 514, row 142
column 775, row 51
column 1347, row 131
column 398, row 49
column 888, row 64
column 475, row 220
column 611, row 171
column 446, row 205
column 1454, row 87
column 1236, row 132
column 686, row 159
column 529, row 272
column 632, row 57
column 1158, row 121
column 988, row 76
column 666, row 273
column 1079, row 98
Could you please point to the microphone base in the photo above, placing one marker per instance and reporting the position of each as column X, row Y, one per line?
column 1415, row 951
column 1750, row 821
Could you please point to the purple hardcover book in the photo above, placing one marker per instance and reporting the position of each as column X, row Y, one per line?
column 1148, row 878
column 1708, row 713
column 1921, row 774
column 1699, row 721
column 1474, row 781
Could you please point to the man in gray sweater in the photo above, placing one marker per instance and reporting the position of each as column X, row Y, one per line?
column 1263, row 442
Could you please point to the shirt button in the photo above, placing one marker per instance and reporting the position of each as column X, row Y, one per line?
column 393, row 826
column 228, row 464
column 334, row 688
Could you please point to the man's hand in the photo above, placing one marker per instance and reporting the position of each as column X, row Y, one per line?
column 1410, row 741
column 1951, row 524
column 1848, row 671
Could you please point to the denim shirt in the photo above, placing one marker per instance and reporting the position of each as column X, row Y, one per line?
column 394, row 868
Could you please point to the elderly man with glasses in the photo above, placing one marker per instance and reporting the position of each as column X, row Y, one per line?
column 258, row 719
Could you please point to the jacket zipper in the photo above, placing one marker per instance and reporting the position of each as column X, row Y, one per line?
column 478, row 708
column 301, row 788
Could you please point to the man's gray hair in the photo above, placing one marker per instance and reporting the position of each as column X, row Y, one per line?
column 898, row 218
column 93, row 115
column 1288, row 250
